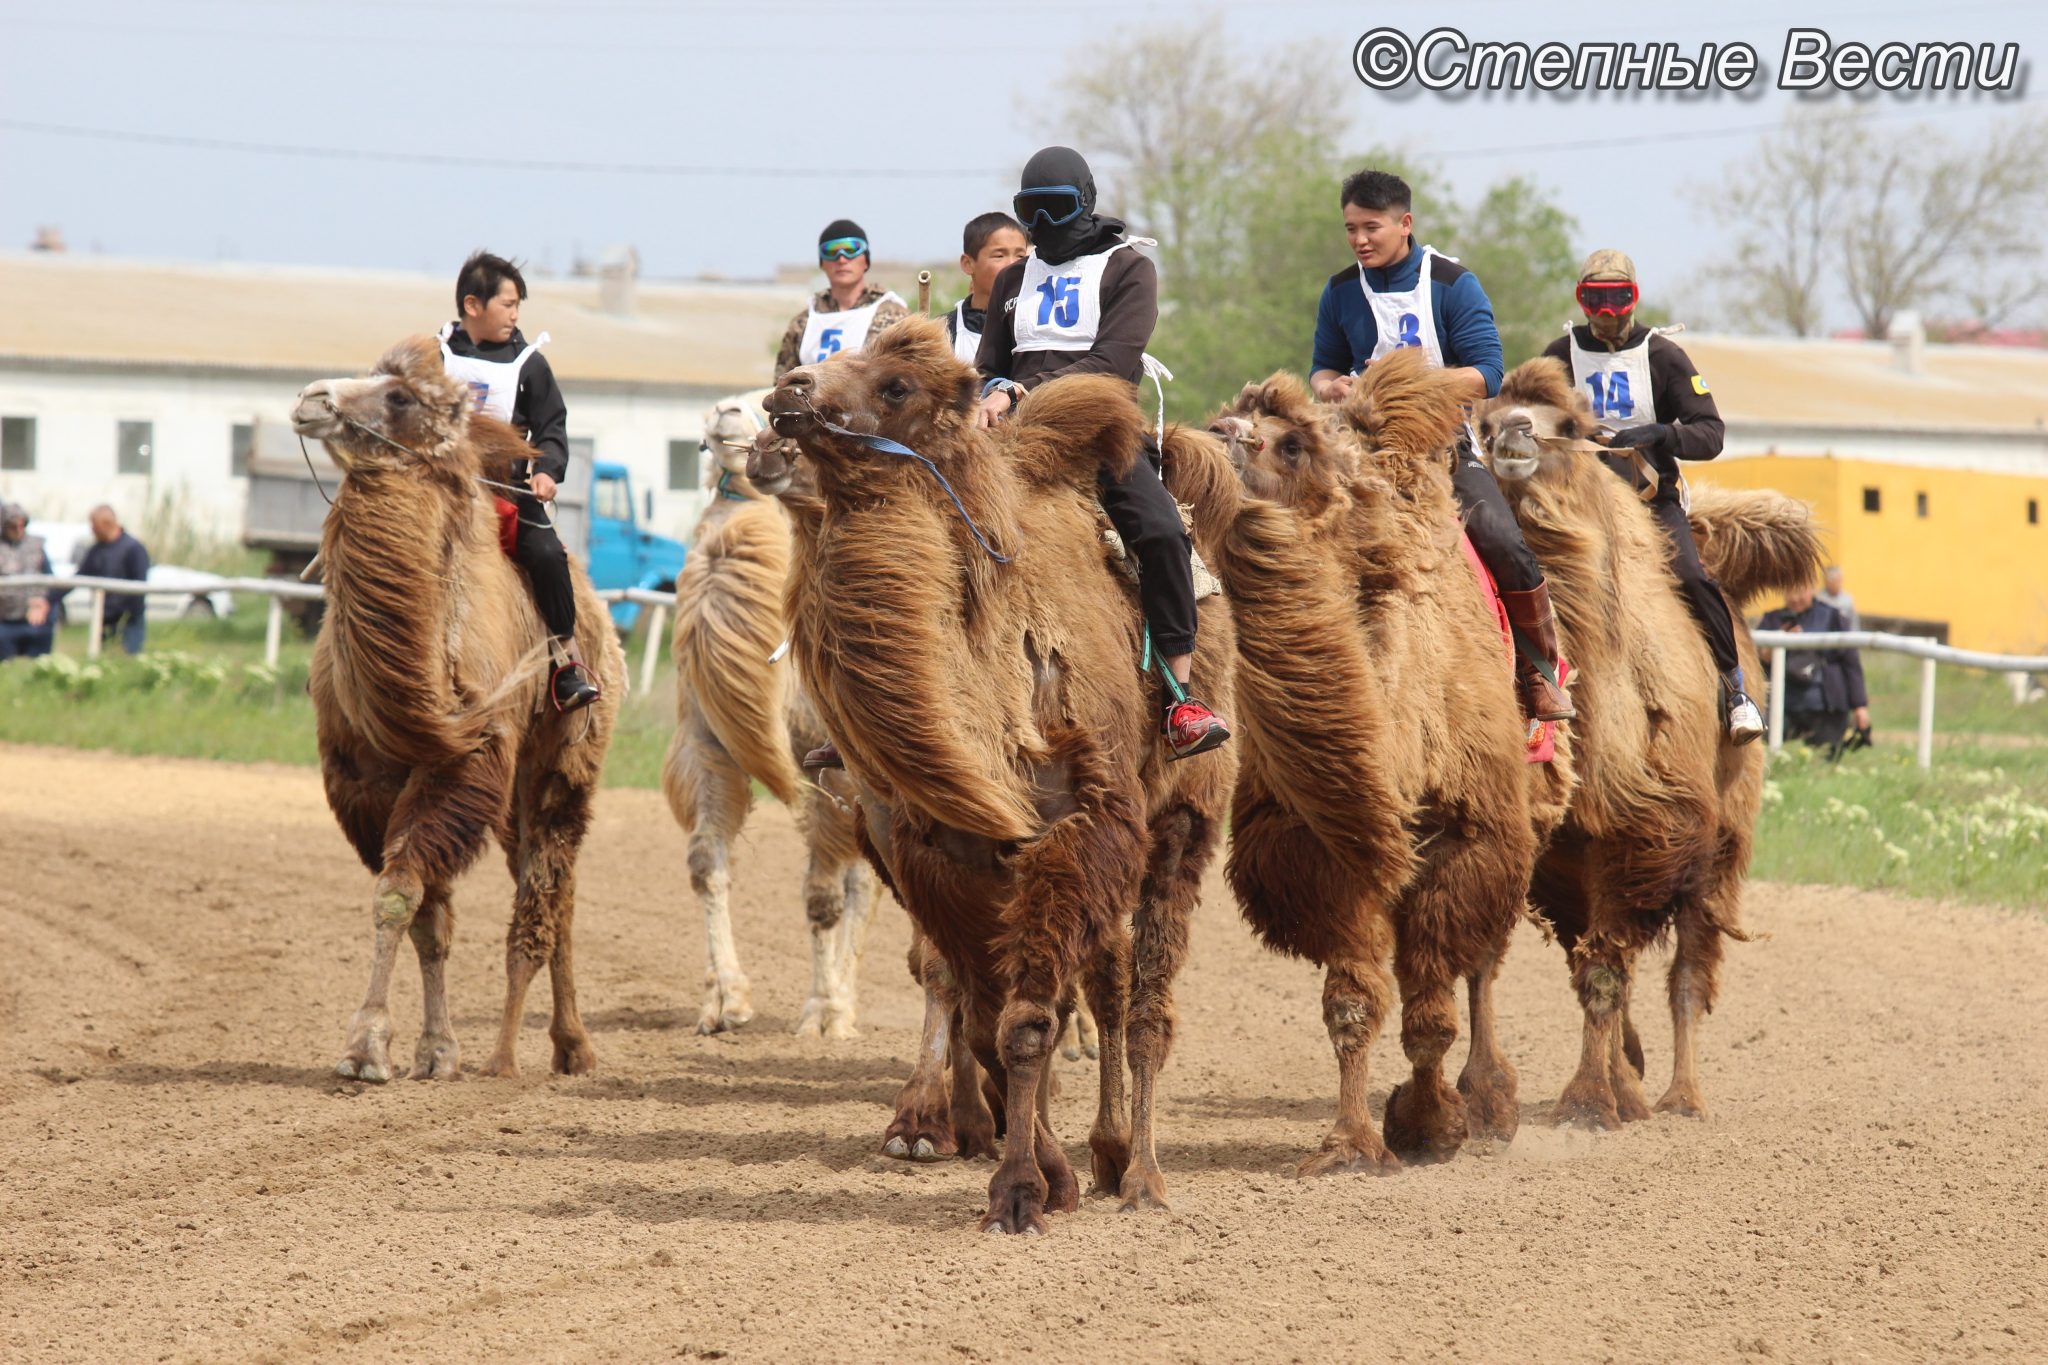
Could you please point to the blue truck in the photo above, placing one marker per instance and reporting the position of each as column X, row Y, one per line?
column 599, row 520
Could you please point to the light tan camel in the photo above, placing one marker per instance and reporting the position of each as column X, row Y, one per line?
column 1658, row 836
column 742, row 719
column 429, row 688
column 978, row 662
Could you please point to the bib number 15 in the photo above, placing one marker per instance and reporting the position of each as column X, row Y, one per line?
column 1611, row 398
column 1059, row 301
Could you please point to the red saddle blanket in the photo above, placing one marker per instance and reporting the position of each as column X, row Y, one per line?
column 508, row 524
column 1541, row 745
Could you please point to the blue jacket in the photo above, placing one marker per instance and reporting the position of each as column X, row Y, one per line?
column 1465, row 330
column 121, row 557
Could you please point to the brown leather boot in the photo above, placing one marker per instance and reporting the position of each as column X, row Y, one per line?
column 1530, row 614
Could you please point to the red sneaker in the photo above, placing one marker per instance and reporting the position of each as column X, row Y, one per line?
column 1191, row 728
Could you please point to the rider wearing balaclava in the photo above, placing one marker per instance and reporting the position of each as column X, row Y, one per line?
column 1083, row 303
column 1646, row 391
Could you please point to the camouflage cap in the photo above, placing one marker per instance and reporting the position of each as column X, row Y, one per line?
column 1608, row 264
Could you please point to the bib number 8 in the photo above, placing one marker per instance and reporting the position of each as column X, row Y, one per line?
column 1613, row 398
column 1059, row 301
column 828, row 342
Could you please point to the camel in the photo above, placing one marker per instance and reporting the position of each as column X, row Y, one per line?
column 429, row 686
column 739, row 720
column 1385, row 802
column 979, row 661
column 1658, row 836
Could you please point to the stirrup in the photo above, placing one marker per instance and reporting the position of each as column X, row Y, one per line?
column 581, row 697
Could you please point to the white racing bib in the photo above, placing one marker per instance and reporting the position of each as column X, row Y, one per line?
column 1405, row 319
column 1617, row 382
column 1059, row 307
column 494, row 382
column 966, row 344
column 827, row 334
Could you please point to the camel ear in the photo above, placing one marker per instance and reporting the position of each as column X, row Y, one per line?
column 965, row 391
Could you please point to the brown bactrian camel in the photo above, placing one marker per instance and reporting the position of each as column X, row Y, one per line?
column 429, row 687
column 1384, row 799
column 1658, row 836
column 981, row 666
column 741, row 719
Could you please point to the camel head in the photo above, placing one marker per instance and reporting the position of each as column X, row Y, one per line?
column 1538, row 425
column 730, row 428
column 405, row 412
column 906, row 384
column 1283, row 444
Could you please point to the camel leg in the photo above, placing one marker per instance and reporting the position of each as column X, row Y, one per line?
column 1181, row 844
column 722, row 797
column 574, row 1056
column 1356, row 997
column 923, row 1128
column 366, row 1056
column 1693, row 982
column 1488, row 1081
column 551, row 816
column 433, row 932
column 1629, row 1100
column 1601, row 979
column 976, row 1100
column 1023, row 1190
column 860, row 894
column 1081, row 1033
column 1109, row 1140
column 1425, row 1118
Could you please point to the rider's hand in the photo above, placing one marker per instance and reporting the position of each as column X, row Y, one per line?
column 38, row 612
column 992, row 409
column 1337, row 388
column 544, row 487
column 1863, row 718
column 1650, row 436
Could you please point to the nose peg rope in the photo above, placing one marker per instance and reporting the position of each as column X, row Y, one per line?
column 889, row 447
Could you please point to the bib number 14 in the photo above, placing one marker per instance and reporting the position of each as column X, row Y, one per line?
column 1611, row 398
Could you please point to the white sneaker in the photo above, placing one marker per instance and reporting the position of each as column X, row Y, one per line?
column 1745, row 722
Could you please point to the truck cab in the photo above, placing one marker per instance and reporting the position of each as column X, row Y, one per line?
column 619, row 554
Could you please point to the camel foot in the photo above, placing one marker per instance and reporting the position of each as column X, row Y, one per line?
column 921, row 1131
column 921, row 1150
column 823, row 1019
column 437, row 1058
column 574, row 1056
column 1683, row 1100
column 1629, row 1100
column 1079, row 1038
column 1347, row 1151
column 502, row 1066
column 1110, row 1157
column 1016, row 1203
column 1422, row 1126
column 726, row 1008
column 366, row 1056
column 1586, row 1105
column 1144, row 1189
column 1492, row 1109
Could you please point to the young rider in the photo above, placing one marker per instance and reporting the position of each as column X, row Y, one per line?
column 513, row 383
column 1647, row 395
column 1083, row 304
column 990, row 243
column 1399, row 295
column 845, row 313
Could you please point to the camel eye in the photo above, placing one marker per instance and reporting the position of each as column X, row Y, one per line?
column 896, row 390
column 1290, row 448
column 399, row 398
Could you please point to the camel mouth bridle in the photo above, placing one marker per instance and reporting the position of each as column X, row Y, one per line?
column 351, row 424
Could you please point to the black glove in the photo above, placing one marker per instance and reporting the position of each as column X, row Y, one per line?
column 1653, row 437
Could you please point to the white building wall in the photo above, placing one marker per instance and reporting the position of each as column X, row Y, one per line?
column 77, row 412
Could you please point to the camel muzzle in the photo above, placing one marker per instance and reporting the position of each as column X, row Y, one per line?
column 769, row 466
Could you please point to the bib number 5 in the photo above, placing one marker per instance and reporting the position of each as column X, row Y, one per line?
column 1059, row 301
column 828, row 341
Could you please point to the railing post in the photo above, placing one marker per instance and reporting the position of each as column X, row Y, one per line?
column 99, row 622
column 1777, row 697
column 1926, row 714
column 656, row 622
column 273, row 630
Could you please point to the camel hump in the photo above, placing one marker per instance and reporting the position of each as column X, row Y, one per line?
column 1404, row 403
column 1068, row 429
column 1755, row 540
column 498, row 446
column 729, row 621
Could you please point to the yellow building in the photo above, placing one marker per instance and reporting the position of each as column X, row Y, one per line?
column 1927, row 466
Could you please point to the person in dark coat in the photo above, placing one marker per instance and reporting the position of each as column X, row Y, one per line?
column 1823, row 687
column 116, row 554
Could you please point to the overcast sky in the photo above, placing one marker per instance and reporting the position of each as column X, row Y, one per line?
column 758, row 89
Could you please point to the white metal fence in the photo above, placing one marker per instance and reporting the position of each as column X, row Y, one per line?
column 1778, row 642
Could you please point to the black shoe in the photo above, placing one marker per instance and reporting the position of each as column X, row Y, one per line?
column 825, row 756
column 572, row 688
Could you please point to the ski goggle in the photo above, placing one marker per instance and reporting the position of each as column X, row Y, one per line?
column 842, row 248
column 1607, row 296
column 1047, row 206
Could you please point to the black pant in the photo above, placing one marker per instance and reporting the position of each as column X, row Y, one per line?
column 1144, row 514
column 1491, row 525
column 1702, row 593
column 1819, row 729
column 538, row 550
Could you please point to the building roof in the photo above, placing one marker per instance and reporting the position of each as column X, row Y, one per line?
column 101, row 310
column 1786, row 382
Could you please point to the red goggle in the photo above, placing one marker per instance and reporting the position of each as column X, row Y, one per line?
column 1616, row 297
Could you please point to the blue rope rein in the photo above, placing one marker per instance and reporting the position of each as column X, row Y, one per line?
column 889, row 447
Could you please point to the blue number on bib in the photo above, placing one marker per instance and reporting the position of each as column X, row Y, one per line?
column 1410, row 332
column 482, row 392
column 1615, row 401
column 1059, row 302
column 828, row 341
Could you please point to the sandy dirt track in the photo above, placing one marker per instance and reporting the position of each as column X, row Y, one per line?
column 186, row 1180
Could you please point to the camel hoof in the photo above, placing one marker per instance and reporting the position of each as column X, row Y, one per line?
column 1422, row 1132
column 575, row 1057
column 363, row 1069
column 437, row 1058
column 1582, row 1109
column 1144, row 1191
column 1015, row 1210
column 896, row 1147
column 1630, row 1105
column 923, row 1150
column 1342, row 1153
column 1491, row 1108
column 1682, row 1103
column 822, row 1019
column 713, row 1021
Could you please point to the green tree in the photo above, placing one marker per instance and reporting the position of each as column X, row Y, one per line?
column 1519, row 243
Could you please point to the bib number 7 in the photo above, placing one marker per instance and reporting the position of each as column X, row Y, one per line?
column 1611, row 399
column 828, row 342
column 1059, row 301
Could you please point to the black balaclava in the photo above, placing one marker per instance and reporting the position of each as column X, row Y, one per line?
column 1087, row 234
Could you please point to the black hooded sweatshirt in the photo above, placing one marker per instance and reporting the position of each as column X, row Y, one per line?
column 538, row 410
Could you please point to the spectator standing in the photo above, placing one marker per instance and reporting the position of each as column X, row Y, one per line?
column 1823, row 687
column 1835, row 595
column 27, row 617
column 116, row 554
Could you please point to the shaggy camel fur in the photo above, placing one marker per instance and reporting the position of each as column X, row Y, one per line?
column 1384, row 802
column 996, row 720
column 429, row 689
column 740, row 719
column 1658, row 836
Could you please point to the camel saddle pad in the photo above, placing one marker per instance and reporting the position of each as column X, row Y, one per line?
column 1206, row 585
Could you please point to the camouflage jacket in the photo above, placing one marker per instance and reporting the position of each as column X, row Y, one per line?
column 786, row 357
